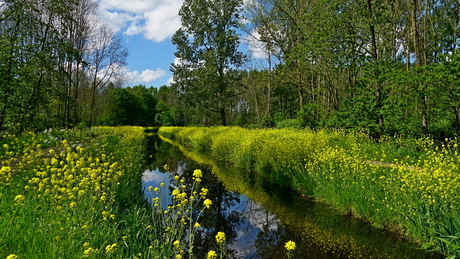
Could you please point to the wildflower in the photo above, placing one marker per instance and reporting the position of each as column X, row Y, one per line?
column 177, row 178
column 110, row 248
column 156, row 189
column 12, row 256
column 178, row 256
column 290, row 245
column 73, row 205
column 212, row 254
column 207, row 203
column 19, row 198
column 175, row 192
column 162, row 184
column 86, row 244
column 204, row 192
column 176, row 243
column 197, row 173
column 220, row 237
column 166, row 167
column 197, row 225
column 90, row 251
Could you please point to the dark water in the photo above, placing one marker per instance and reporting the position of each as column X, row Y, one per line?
column 259, row 218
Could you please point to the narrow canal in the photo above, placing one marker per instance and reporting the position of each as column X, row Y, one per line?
column 259, row 218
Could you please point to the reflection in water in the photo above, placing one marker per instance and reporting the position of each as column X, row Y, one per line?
column 259, row 218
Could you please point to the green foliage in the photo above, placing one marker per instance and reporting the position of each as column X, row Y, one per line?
column 130, row 106
column 289, row 123
column 208, row 53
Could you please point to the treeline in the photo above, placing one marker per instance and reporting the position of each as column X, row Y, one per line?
column 391, row 67
column 56, row 61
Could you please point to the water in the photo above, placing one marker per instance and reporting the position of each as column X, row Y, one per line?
column 259, row 218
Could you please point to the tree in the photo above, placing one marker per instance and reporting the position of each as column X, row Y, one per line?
column 207, row 50
column 107, row 55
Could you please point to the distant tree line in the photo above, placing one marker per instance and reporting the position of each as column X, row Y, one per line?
column 389, row 67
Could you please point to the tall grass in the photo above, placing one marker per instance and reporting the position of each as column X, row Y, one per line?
column 408, row 186
column 66, row 194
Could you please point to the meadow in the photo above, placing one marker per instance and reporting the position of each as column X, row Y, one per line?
column 408, row 186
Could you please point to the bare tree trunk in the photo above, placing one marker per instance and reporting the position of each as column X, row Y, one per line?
column 418, row 59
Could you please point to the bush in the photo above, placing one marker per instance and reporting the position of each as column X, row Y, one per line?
column 289, row 123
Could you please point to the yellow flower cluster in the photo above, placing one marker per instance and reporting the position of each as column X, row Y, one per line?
column 220, row 237
column 110, row 248
column 70, row 183
column 290, row 245
column 5, row 175
column 212, row 254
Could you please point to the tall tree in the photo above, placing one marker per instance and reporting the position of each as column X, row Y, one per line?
column 106, row 59
column 207, row 50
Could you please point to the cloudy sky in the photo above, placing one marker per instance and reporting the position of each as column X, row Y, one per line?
column 147, row 26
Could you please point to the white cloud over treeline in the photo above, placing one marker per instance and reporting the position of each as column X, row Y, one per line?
column 157, row 20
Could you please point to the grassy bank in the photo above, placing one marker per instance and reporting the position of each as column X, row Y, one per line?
column 74, row 194
column 409, row 186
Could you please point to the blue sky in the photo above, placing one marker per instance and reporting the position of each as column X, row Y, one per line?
column 147, row 27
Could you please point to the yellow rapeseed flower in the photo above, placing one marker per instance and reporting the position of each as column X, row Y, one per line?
column 197, row 173
column 12, row 256
column 19, row 198
column 290, row 245
column 220, row 237
column 176, row 243
column 204, row 192
column 110, row 248
column 212, row 254
column 207, row 203
column 197, row 225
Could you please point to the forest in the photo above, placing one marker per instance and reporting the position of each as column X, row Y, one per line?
column 386, row 67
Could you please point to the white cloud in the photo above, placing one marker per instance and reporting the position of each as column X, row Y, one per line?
column 157, row 20
column 255, row 46
column 170, row 81
column 146, row 76
column 116, row 20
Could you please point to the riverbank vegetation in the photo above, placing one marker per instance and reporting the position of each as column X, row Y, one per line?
column 75, row 194
column 407, row 186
